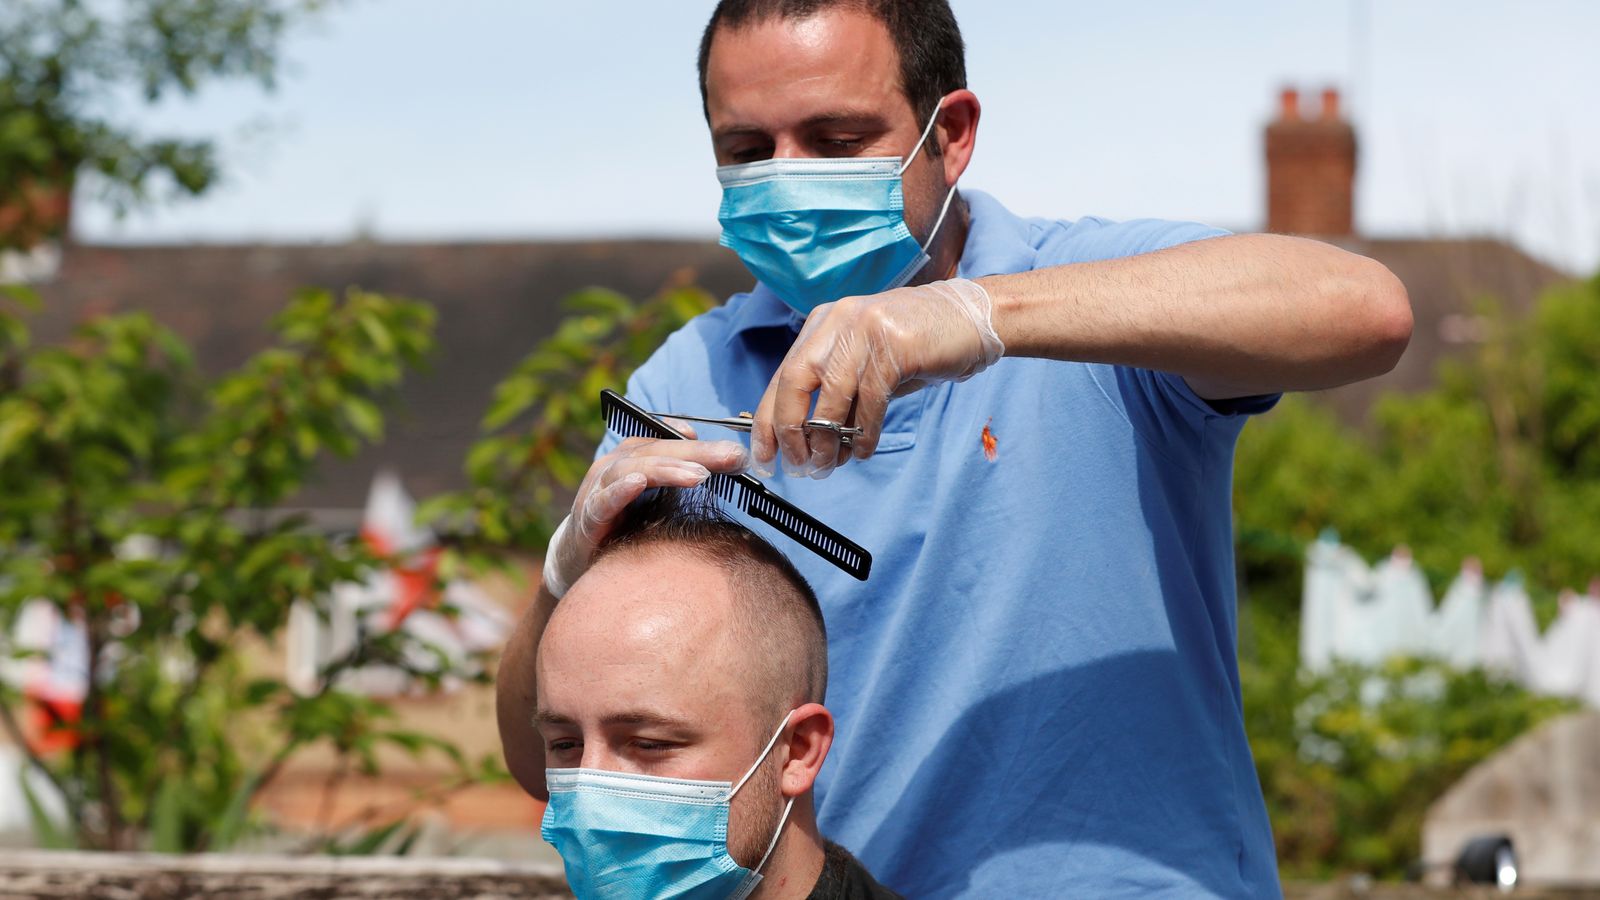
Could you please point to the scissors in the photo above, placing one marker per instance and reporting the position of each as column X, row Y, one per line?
column 743, row 422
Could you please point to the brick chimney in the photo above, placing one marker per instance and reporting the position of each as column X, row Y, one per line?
column 1311, row 169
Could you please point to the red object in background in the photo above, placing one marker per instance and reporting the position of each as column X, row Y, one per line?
column 991, row 444
column 53, row 725
column 416, row 586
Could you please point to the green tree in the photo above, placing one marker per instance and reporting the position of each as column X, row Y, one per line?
column 544, row 422
column 112, row 438
column 68, row 70
column 1350, row 761
column 1497, row 461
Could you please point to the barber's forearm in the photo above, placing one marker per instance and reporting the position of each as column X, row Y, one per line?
column 1235, row 316
column 514, row 696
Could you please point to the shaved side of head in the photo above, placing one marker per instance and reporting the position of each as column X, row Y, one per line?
column 781, row 643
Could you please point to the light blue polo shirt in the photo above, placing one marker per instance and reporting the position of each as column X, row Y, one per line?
column 1037, row 690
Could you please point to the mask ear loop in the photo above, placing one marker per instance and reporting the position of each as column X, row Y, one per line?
column 945, row 209
column 763, row 757
column 923, row 140
column 773, row 844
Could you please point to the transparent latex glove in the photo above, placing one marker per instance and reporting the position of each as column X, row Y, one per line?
column 616, row 480
column 856, row 354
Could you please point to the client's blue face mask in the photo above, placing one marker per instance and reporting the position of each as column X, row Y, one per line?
column 640, row 837
column 817, row 230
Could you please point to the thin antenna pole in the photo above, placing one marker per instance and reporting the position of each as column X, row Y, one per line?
column 1359, row 88
column 1360, row 60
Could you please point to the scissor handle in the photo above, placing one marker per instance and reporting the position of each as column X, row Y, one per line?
column 845, row 432
column 744, row 420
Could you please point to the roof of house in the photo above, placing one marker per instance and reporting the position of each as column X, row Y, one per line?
column 497, row 300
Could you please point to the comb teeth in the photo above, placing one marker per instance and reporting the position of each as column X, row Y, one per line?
column 745, row 493
column 807, row 533
column 624, row 425
column 731, row 490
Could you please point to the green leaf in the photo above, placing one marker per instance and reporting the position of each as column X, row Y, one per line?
column 46, row 833
column 231, row 824
column 166, row 817
column 25, row 296
column 369, row 843
column 512, row 397
column 364, row 417
column 408, row 841
column 602, row 301
column 376, row 332
column 19, row 421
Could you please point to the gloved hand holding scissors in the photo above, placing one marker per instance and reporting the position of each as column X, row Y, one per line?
column 859, row 352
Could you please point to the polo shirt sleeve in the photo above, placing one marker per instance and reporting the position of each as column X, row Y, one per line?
column 1092, row 239
column 1161, row 405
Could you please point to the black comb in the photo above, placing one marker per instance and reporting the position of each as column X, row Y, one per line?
column 746, row 493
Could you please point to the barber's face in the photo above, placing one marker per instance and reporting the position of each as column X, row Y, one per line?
column 638, row 673
column 823, row 86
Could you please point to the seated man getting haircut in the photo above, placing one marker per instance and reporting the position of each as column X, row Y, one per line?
column 679, row 688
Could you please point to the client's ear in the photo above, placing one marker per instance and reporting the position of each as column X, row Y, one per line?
column 810, row 737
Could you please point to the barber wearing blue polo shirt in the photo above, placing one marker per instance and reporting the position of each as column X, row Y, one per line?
column 1037, row 691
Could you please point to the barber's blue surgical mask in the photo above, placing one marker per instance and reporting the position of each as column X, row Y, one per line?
column 817, row 230
column 640, row 837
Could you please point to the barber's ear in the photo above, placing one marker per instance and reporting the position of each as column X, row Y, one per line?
column 957, row 132
column 810, row 737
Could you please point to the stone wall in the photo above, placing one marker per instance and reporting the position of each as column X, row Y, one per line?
column 102, row 876
column 136, row 876
column 1359, row 889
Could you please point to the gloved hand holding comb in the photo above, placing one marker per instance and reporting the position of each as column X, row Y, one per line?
column 617, row 479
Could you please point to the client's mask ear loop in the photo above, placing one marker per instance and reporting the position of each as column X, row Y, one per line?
column 943, row 210
column 773, row 844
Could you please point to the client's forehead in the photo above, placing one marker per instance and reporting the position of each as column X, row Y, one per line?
column 646, row 629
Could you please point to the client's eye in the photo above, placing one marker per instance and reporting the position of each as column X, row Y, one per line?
column 649, row 746
column 563, row 745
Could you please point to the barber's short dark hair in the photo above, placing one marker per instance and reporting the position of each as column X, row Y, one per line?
column 932, row 55
column 778, row 616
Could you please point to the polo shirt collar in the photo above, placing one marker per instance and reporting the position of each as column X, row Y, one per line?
column 763, row 309
column 997, row 240
column 997, row 244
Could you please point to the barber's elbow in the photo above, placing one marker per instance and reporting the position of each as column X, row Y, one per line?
column 1390, row 319
column 1381, row 322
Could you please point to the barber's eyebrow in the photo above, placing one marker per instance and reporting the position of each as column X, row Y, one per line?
column 841, row 118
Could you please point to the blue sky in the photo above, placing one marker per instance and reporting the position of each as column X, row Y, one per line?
column 413, row 119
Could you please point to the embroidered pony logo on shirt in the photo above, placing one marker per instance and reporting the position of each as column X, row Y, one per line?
column 991, row 444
